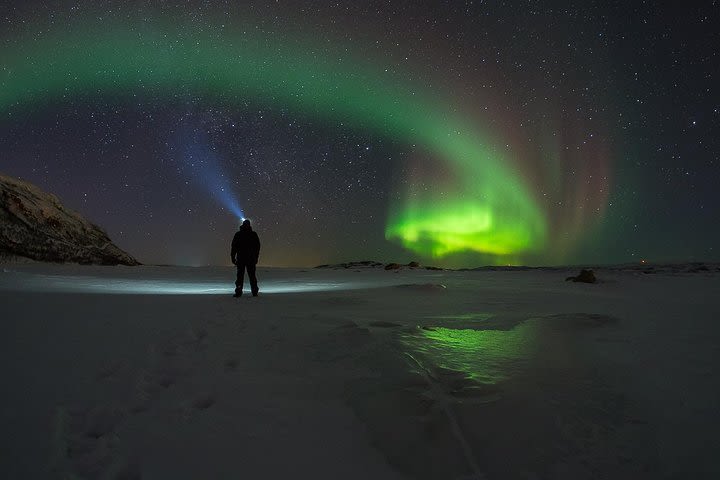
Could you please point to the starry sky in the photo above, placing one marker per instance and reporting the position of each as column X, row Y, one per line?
column 455, row 133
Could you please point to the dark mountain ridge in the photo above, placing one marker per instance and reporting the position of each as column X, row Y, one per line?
column 35, row 225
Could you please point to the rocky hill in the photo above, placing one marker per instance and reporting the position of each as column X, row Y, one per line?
column 35, row 225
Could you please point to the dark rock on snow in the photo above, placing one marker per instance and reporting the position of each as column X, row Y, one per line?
column 35, row 225
column 586, row 276
column 347, row 265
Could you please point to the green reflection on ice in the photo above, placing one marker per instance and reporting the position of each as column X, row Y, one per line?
column 485, row 356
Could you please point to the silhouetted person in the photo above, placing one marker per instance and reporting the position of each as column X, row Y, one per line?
column 244, row 253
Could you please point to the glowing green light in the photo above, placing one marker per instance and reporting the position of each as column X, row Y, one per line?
column 485, row 356
column 442, row 227
column 487, row 208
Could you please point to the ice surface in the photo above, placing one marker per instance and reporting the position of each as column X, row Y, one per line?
column 157, row 372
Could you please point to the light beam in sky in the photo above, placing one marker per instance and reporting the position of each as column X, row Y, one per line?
column 201, row 165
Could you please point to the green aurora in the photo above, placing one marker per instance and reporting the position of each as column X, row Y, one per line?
column 483, row 205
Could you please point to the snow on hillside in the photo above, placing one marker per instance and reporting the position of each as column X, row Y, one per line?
column 35, row 225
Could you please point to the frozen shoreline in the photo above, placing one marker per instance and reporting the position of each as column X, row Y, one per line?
column 358, row 374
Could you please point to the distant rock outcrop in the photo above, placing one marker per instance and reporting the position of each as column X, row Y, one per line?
column 34, row 224
column 586, row 276
column 394, row 266
column 361, row 264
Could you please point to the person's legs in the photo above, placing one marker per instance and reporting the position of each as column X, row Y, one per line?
column 239, row 279
column 253, row 279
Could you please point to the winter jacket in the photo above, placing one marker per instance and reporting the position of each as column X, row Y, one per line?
column 245, row 247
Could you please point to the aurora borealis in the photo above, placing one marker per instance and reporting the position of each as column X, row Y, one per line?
column 356, row 153
column 491, row 211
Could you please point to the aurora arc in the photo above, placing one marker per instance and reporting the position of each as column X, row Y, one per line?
column 488, row 209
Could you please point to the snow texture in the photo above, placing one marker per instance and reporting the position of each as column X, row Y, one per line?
column 157, row 372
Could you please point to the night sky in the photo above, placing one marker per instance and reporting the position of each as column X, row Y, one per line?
column 456, row 133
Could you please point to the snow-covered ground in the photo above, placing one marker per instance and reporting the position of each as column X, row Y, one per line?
column 158, row 373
